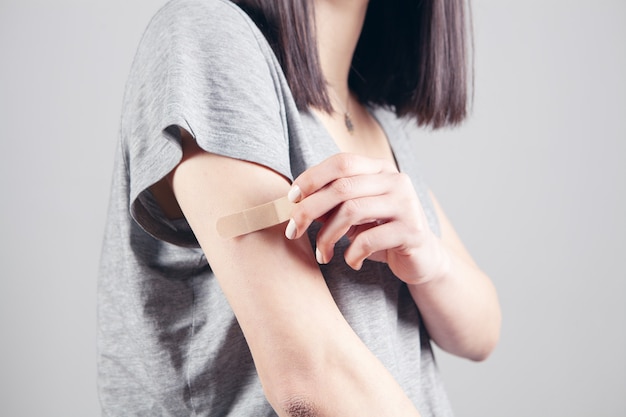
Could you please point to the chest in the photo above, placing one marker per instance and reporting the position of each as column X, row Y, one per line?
column 367, row 137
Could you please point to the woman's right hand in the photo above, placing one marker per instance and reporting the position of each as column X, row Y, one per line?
column 378, row 209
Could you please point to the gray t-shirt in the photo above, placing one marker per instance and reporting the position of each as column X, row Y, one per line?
column 168, row 342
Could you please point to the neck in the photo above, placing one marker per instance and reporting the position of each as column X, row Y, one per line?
column 338, row 27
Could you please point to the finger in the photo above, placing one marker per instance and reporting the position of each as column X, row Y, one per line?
column 329, row 198
column 355, row 230
column 343, row 165
column 387, row 236
column 362, row 213
column 380, row 256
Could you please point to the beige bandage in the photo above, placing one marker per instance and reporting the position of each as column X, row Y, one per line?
column 255, row 218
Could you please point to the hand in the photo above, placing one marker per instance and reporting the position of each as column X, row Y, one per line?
column 376, row 207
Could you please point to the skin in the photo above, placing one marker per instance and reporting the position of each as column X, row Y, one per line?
column 274, row 284
column 309, row 360
column 376, row 206
column 457, row 299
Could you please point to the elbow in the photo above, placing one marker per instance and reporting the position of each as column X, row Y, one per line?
column 475, row 346
column 293, row 391
column 476, row 353
column 481, row 355
column 298, row 406
column 287, row 403
column 485, row 348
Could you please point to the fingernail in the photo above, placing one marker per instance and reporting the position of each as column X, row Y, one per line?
column 318, row 256
column 290, row 231
column 294, row 194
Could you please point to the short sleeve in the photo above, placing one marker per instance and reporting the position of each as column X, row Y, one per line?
column 202, row 65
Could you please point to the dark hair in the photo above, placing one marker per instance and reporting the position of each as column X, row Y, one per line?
column 412, row 55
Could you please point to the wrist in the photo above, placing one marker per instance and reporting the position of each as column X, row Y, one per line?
column 440, row 265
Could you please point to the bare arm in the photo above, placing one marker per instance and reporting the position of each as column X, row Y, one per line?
column 460, row 308
column 309, row 360
column 378, row 209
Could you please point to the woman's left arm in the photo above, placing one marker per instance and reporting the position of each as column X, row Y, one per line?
column 460, row 308
column 377, row 208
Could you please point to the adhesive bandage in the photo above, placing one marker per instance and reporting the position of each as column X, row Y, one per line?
column 255, row 218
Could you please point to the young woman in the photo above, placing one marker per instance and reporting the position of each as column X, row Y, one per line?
column 229, row 106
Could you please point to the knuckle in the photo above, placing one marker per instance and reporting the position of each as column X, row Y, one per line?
column 366, row 243
column 351, row 209
column 404, row 179
column 420, row 227
column 416, row 228
column 301, row 214
column 343, row 187
column 345, row 163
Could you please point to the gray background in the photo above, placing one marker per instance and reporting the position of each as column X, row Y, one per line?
column 534, row 183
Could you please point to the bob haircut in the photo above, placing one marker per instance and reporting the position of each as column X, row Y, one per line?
column 412, row 56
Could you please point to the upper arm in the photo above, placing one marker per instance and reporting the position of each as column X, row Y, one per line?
column 273, row 285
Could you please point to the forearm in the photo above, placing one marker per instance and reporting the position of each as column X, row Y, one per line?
column 460, row 309
column 350, row 193
column 338, row 377
column 306, row 354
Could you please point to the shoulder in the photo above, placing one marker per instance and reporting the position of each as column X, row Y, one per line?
column 197, row 28
column 193, row 49
column 217, row 14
